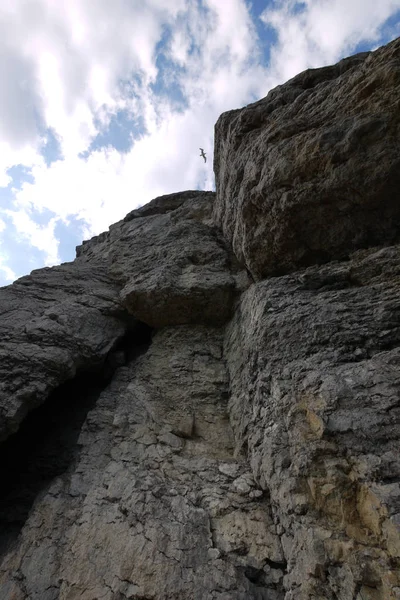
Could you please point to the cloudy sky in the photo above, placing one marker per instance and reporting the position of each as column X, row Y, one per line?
column 104, row 104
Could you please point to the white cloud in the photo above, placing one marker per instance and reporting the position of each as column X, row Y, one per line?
column 40, row 236
column 63, row 61
column 9, row 275
column 4, row 178
column 6, row 273
column 319, row 32
column 233, row 30
column 109, row 184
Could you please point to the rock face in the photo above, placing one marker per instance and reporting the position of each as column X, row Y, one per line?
column 312, row 171
column 185, row 273
column 172, row 429
column 314, row 366
column 53, row 323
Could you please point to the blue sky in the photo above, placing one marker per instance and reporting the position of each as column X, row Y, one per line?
column 104, row 105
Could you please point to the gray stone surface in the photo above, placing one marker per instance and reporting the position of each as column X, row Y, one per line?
column 197, row 435
column 170, row 266
column 151, row 507
column 312, row 171
column 53, row 323
column 314, row 366
column 185, row 273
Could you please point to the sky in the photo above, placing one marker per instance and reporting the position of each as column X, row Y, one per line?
column 104, row 105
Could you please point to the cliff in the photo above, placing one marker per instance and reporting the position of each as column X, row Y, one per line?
column 205, row 403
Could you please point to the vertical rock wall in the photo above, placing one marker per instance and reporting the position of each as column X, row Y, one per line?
column 312, row 172
column 154, row 504
column 306, row 176
column 314, row 366
column 205, row 403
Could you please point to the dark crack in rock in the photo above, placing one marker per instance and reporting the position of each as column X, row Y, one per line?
column 156, row 505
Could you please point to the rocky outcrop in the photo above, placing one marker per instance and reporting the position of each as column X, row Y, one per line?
column 312, row 172
column 53, row 323
column 172, row 429
column 314, row 366
column 166, row 269
column 174, row 264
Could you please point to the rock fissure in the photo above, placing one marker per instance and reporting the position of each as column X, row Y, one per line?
column 46, row 445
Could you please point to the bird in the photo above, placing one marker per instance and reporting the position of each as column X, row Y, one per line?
column 202, row 153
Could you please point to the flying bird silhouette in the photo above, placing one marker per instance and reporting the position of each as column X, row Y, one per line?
column 202, row 153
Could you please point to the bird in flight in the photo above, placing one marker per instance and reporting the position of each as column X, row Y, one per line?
column 202, row 153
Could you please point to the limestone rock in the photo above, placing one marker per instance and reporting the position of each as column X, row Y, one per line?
column 314, row 366
column 312, row 171
column 185, row 274
column 165, row 265
column 53, row 323
column 143, row 512
column 171, row 429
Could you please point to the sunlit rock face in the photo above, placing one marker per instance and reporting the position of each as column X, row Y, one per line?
column 314, row 366
column 312, row 172
column 175, row 422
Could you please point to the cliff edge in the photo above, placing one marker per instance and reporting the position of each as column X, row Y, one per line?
column 205, row 403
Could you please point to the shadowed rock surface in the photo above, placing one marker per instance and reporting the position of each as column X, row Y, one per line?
column 172, row 430
column 168, row 268
column 53, row 323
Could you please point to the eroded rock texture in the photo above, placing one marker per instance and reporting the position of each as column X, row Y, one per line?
column 314, row 366
column 171, row 429
column 53, row 323
column 171, row 267
column 154, row 505
column 312, row 171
